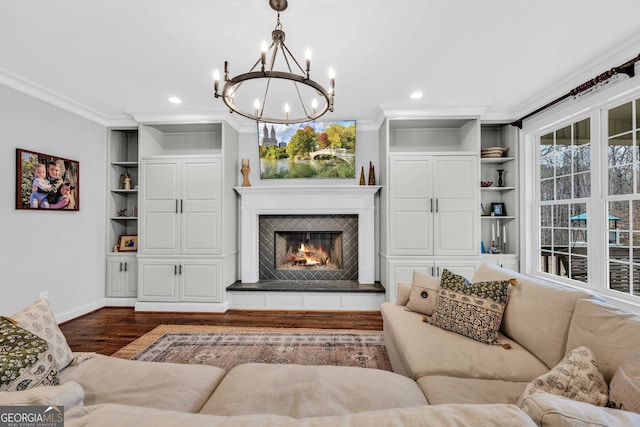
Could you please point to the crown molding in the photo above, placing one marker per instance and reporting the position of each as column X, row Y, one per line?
column 614, row 57
column 187, row 117
column 20, row 84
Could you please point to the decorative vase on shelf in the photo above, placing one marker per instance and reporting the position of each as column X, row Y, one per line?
column 245, row 169
column 362, row 176
column 500, row 181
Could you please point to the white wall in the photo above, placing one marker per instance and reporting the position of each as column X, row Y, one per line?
column 59, row 252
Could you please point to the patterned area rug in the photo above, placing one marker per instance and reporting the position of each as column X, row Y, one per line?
column 226, row 347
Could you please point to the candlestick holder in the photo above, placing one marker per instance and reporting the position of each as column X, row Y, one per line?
column 245, row 174
column 500, row 181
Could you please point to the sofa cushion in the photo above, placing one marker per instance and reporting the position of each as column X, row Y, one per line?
column 440, row 389
column 67, row 394
column 39, row 319
column 424, row 415
column 611, row 333
column 538, row 312
column 423, row 293
column 551, row 410
column 473, row 310
column 25, row 359
column 576, row 377
column 402, row 293
column 310, row 391
column 417, row 349
column 624, row 390
column 173, row 386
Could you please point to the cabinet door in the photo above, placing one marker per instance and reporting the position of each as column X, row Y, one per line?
column 115, row 282
column 200, row 207
column 158, row 280
column 200, row 281
column 159, row 207
column 130, row 278
column 465, row 269
column 411, row 205
column 456, row 221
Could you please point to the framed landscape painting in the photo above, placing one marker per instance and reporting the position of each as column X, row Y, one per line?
column 45, row 182
column 307, row 150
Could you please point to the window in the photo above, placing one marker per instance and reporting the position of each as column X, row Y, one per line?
column 565, row 189
column 623, row 197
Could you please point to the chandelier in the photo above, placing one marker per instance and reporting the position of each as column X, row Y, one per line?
column 285, row 96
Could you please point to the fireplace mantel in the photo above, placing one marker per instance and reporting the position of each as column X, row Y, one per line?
column 306, row 200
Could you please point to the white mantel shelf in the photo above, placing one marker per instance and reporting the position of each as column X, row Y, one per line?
column 307, row 200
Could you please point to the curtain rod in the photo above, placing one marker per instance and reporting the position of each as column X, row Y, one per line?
column 626, row 68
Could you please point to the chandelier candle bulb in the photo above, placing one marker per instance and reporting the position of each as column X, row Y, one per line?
column 256, row 106
column 216, row 80
column 263, row 53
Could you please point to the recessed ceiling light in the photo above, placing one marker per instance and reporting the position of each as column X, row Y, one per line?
column 416, row 95
column 175, row 100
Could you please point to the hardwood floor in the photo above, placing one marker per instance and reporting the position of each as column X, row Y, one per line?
column 108, row 329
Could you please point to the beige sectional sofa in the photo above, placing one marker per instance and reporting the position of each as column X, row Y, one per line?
column 542, row 323
column 441, row 379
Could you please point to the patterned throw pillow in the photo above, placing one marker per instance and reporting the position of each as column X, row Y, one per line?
column 576, row 377
column 39, row 319
column 624, row 390
column 423, row 294
column 25, row 359
column 473, row 310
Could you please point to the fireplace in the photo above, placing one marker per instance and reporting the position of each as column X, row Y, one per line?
column 358, row 239
column 308, row 247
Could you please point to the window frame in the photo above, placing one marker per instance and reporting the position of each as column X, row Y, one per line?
column 593, row 106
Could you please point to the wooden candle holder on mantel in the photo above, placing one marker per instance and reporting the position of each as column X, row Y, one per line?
column 245, row 169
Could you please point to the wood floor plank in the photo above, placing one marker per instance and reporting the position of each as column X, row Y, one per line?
column 108, row 329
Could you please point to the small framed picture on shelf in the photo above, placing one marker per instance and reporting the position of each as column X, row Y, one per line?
column 128, row 243
column 498, row 209
column 482, row 211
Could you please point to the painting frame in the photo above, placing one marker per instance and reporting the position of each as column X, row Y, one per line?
column 309, row 150
column 498, row 209
column 128, row 243
column 57, row 188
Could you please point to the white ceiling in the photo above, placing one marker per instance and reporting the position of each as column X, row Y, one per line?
column 498, row 58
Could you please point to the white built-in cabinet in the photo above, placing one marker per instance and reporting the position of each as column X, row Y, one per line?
column 433, row 205
column 180, row 206
column 430, row 202
column 122, row 276
column 187, row 214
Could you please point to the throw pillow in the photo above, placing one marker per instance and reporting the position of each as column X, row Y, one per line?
column 624, row 390
column 39, row 319
column 473, row 310
column 25, row 359
column 423, row 293
column 576, row 377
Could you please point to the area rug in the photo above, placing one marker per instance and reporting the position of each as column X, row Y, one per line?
column 226, row 347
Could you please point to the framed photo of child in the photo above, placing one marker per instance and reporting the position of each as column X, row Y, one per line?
column 128, row 243
column 45, row 182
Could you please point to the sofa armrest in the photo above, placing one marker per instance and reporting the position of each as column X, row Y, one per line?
column 547, row 409
column 402, row 292
column 68, row 394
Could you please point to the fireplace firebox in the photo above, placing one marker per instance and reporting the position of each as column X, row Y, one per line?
column 320, row 250
column 308, row 247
